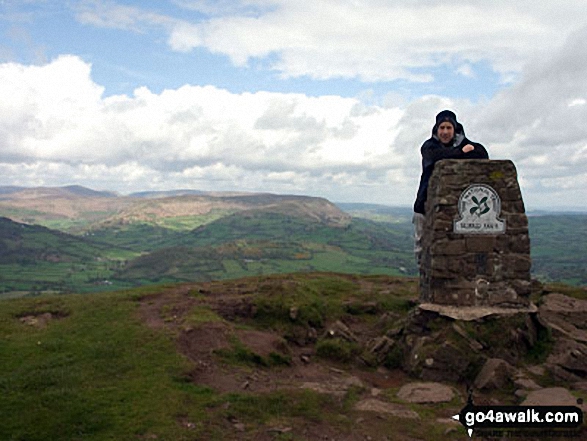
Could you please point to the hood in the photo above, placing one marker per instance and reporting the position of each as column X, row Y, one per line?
column 447, row 115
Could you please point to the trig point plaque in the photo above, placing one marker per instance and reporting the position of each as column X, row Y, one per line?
column 476, row 248
column 479, row 209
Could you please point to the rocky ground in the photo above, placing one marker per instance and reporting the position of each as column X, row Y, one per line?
column 400, row 372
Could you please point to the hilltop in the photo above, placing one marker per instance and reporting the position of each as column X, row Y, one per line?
column 77, row 209
column 290, row 357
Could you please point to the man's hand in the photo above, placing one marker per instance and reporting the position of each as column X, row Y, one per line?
column 468, row 148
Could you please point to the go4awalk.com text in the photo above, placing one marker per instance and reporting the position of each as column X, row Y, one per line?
column 519, row 421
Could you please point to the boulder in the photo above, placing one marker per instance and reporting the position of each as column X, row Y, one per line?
column 551, row 396
column 565, row 315
column 568, row 360
column 495, row 374
column 426, row 393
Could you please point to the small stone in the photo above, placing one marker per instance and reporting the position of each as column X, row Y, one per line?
column 536, row 370
column 375, row 392
column 280, row 430
column 521, row 393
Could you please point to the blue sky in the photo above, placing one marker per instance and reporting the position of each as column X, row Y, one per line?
column 326, row 98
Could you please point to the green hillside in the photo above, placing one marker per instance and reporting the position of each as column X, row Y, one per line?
column 36, row 259
column 261, row 242
column 559, row 247
column 280, row 236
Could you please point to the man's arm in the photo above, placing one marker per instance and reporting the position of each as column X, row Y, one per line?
column 431, row 155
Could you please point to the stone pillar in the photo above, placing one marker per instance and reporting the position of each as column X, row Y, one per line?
column 476, row 248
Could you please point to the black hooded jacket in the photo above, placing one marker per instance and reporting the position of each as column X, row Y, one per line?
column 433, row 151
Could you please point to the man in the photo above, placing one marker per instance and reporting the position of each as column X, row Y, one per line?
column 448, row 141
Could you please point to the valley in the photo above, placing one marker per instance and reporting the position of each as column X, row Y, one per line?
column 74, row 239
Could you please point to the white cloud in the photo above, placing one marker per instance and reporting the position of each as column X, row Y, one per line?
column 371, row 40
column 192, row 136
column 57, row 127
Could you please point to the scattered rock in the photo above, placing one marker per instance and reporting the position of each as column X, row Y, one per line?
column 495, row 374
column 565, row 315
column 426, row 393
column 396, row 410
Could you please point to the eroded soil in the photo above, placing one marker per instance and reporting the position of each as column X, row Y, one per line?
column 217, row 327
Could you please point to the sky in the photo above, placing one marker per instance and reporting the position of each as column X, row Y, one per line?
column 327, row 98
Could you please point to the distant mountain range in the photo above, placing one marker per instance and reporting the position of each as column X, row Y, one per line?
column 73, row 238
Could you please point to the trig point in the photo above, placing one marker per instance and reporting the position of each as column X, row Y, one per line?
column 475, row 245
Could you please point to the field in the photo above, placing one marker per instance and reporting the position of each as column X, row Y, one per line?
column 108, row 243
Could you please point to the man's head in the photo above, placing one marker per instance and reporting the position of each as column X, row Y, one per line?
column 446, row 126
column 445, row 132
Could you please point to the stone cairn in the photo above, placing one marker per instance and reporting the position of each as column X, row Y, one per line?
column 476, row 248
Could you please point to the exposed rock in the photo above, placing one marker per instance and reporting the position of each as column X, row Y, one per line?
column 426, row 393
column 526, row 383
column 468, row 313
column 552, row 396
column 380, row 347
column 396, row 410
column 568, row 360
column 536, row 370
column 339, row 329
column 473, row 344
column 431, row 360
column 37, row 321
column 338, row 387
column 565, row 315
column 495, row 374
